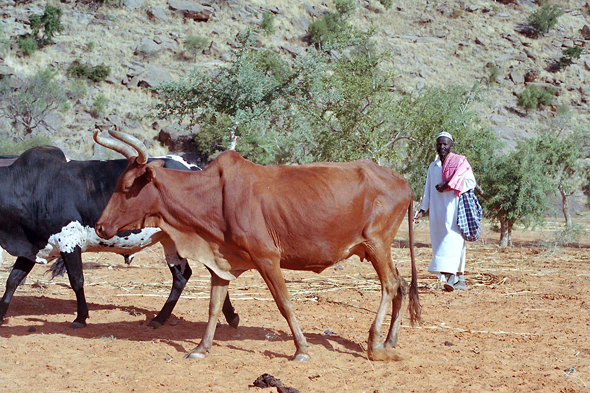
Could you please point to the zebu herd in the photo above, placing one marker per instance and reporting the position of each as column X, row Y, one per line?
column 232, row 216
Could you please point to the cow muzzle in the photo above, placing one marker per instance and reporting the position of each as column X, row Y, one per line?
column 104, row 232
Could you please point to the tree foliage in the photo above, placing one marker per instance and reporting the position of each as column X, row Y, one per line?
column 421, row 117
column 569, row 54
column 49, row 23
column 544, row 19
column 533, row 96
column 35, row 98
column 564, row 152
column 334, row 29
column 314, row 108
column 516, row 189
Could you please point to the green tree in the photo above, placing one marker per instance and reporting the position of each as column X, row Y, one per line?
column 569, row 55
column 38, row 96
column 564, row 152
column 49, row 23
column 333, row 29
column 351, row 113
column 544, row 19
column 268, row 23
column 232, row 100
column 195, row 44
column 516, row 189
column 316, row 108
column 420, row 117
column 28, row 45
column 533, row 96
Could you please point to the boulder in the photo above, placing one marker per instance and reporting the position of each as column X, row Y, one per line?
column 5, row 70
column 153, row 77
column 133, row 4
column 517, row 77
column 148, row 47
column 166, row 42
column 191, row 9
column 157, row 13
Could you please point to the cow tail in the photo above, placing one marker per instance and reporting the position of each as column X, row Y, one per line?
column 414, row 306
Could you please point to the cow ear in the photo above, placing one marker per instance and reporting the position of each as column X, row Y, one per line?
column 150, row 169
column 150, row 173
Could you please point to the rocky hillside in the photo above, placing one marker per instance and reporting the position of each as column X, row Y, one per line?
column 435, row 43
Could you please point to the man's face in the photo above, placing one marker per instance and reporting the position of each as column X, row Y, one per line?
column 443, row 146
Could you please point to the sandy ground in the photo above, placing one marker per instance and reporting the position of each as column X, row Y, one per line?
column 523, row 326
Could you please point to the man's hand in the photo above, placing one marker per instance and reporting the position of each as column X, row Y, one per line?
column 418, row 216
column 440, row 187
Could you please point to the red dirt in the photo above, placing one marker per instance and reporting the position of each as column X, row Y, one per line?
column 523, row 326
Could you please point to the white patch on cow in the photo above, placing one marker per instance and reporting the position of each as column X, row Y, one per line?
column 74, row 234
column 172, row 259
column 181, row 160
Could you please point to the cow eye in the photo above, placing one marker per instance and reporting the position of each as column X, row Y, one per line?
column 126, row 187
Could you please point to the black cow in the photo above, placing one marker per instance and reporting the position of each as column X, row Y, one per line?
column 48, row 209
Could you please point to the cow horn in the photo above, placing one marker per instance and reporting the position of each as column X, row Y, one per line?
column 114, row 144
column 134, row 143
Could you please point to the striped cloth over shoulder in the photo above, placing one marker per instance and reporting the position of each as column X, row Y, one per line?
column 469, row 216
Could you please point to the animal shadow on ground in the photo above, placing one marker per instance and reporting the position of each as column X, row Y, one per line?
column 35, row 309
column 344, row 346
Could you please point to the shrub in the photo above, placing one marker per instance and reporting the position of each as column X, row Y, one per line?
column 386, row 3
column 28, row 45
column 81, row 70
column 50, row 22
column 37, row 97
column 267, row 24
column 345, row 7
column 99, row 106
column 195, row 44
column 325, row 29
column 9, row 147
column 493, row 74
column 78, row 70
column 90, row 45
column 99, row 73
column 544, row 19
column 569, row 55
column 533, row 96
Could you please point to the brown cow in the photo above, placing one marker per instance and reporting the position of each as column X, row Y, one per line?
column 305, row 217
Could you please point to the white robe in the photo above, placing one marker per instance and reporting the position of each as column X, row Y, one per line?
column 448, row 246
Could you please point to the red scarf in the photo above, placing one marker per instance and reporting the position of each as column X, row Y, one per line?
column 454, row 169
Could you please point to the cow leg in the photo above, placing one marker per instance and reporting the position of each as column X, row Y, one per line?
column 396, row 314
column 276, row 283
column 388, row 276
column 180, row 276
column 181, row 272
column 218, row 292
column 232, row 318
column 73, row 262
column 19, row 272
column 228, row 310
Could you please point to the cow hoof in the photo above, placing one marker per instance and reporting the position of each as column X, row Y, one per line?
column 77, row 325
column 302, row 357
column 194, row 355
column 235, row 322
column 154, row 324
column 384, row 354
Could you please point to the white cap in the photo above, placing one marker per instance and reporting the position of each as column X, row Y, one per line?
column 444, row 133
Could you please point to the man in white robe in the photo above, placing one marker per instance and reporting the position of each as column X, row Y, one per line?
column 448, row 245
